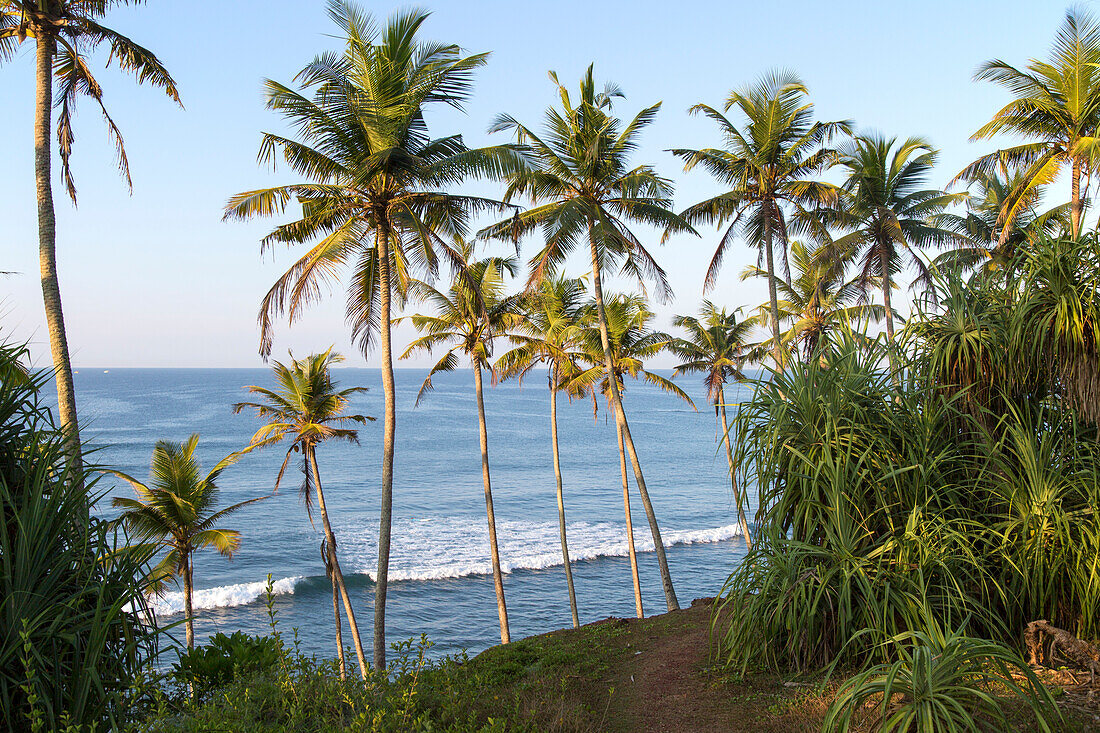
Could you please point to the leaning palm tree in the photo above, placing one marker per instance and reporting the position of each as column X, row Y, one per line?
column 1056, row 109
column 469, row 317
column 177, row 511
column 306, row 408
column 375, row 198
column 717, row 346
column 888, row 213
column 769, row 166
column 553, row 320
column 1004, row 218
column 817, row 299
column 585, row 194
column 64, row 32
column 632, row 342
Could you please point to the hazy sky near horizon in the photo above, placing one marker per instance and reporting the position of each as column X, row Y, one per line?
column 157, row 279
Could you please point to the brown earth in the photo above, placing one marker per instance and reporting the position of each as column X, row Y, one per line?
column 656, row 674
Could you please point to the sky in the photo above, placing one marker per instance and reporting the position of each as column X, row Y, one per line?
column 155, row 278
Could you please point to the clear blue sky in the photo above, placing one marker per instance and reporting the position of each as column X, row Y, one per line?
column 156, row 278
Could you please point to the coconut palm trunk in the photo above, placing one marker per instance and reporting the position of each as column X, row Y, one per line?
column 389, row 430
column 620, row 420
column 336, row 618
column 498, row 578
column 629, row 526
column 47, row 248
column 188, row 594
column 1077, row 206
column 561, row 500
column 733, row 473
column 330, row 538
column 773, row 295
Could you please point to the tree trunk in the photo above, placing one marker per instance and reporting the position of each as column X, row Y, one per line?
column 330, row 538
column 733, row 473
column 620, row 419
column 188, row 594
column 1077, row 205
column 561, row 501
column 887, row 284
column 629, row 526
column 336, row 614
column 47, row 251
column 498, row 578
column 773, row 296
column 389, row 429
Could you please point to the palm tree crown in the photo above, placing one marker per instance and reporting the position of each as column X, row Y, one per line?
column 769, row 167
column 717, row 346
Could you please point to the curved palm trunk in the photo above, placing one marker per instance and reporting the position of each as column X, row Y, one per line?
column 389, row 430
column 733, row 473
column 773, row 295
column 340, row 657
column 188, row 595
column 47, row 251
column 886, row 288
column 629, row 527
column 620, row 420
column 498, row 578
column 561, row 502
column 1076, row 205
column 330, row 538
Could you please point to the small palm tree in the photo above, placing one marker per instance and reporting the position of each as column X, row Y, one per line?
column 306, row 408
column 469, row 317
column 177, row 511
column 375, row 201
column 769, row 166
column 888, row 213
column 585, row 193
column 632, row 342
column 64, row 31
column 553, row 321
column 717, row 346
column 1003, row 219
column 1056, row 108
column 816, row 299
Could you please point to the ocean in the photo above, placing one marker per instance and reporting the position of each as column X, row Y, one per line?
column 441, row 582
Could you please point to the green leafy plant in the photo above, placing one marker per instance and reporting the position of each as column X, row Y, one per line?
column 226, row 658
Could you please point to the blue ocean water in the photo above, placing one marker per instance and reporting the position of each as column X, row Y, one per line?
column 441, row 584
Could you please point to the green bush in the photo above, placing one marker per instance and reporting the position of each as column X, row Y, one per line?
column 225, row 659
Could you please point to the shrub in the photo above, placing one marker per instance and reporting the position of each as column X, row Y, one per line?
column 225, row 659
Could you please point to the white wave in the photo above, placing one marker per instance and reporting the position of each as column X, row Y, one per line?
column 456, row 547
column 224, row 596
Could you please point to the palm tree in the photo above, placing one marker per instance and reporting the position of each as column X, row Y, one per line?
column 178, row 511
column 817, row 299
column 375, row 194
column 469, row 317
column 769, row 166
column 717, row 346
column 584, row 192
column 548, row 334
column 888, row 212
column 1003, row 219
column 64, row 31
column 306, row 408
column 631, row 343
column 1056, row 107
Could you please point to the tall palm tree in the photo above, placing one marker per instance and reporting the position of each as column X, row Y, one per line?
column 375, row 198
column 306, row 408
column 1055, row 107
column 1003, row 218
column 888, row 213
column 770, row 166
column 178, row 511
column 585, row 193
column 717, row 346
column 553, row 320
column 469, row 317
column 631, row 342
column 817, row 299
column 64, row 32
